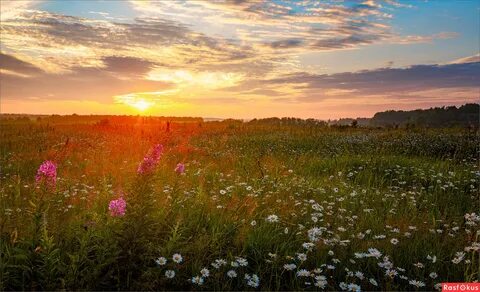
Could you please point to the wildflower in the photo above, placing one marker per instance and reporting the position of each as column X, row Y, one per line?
column 416, row 283
column 391, row 273
column 180, row 168
column 419, row 265
column 272, row 218
column 161, row 261
column 321, row 284
column 433, row 259
column 205, row 272
column 177, row 258
column 47, row 172
column 394, row 241
column 353, row 287
column 117, row 207
column 331, row 253
column 474, row 247
column 303, row 273
column 308, row 245
column 314, row 234
column 386, row 264
column 252, row 281
column 289, row 267
column 170, row 274
column 373, row 282
column 459, row 256
column 373, row 252
column 433, row 275
column 302, row 257
column 150, row 160
column 471, row 219
column 197, row 280
column 242, row 262
column 253, row 223
column 232, row 274
column 320, row 278
column 361, row 255
column 218, row 263
column 359, row 275
column 330, row 267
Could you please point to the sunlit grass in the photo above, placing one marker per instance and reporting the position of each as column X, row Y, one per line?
column 405, row 194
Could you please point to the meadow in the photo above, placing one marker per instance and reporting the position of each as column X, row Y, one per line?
column 128, row 205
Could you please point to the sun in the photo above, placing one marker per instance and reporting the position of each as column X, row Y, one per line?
column 142, row 105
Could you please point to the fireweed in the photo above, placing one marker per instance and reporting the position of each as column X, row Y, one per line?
column 180, row 168
column 47, row 173
column 117, row 207
column 150, row 160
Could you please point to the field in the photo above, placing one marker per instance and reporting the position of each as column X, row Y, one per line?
column 256, row 207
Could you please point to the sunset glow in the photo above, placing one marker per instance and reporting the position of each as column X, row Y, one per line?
column 142, row 105
column 240, row 59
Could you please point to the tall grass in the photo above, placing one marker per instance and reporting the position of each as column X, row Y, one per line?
column 364, row 188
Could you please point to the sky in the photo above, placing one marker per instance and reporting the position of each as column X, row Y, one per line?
column 237, row 58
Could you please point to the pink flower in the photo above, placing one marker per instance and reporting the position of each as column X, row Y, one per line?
column 117, row 207
column 180, row 168
column 150, row 160
column 47, row 172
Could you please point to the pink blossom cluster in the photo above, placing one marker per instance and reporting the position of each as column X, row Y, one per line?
column 150, row 160
column 117, row 207
column 180, row 168
column 47, row 172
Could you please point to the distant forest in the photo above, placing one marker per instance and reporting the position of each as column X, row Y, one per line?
column 465, row 115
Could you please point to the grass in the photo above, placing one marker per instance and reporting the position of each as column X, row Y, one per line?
column 363, row 188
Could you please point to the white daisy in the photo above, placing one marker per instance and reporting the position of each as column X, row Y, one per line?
column 177, row 258
column 205, row 272
column 170, row 274
column 232, row 274
column 161, row 261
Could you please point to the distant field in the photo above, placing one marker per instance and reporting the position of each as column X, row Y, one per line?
column 257, row 206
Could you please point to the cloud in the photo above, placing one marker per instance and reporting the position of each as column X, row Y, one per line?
column 310, row 25
column 80, row 83
column 288, row 43
column 395, row 82
column 12, row 64
column 469, row 59
column 215, row 51
column 127, row 65
column 10, row 9
column 412, row 39
column 66, row 41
